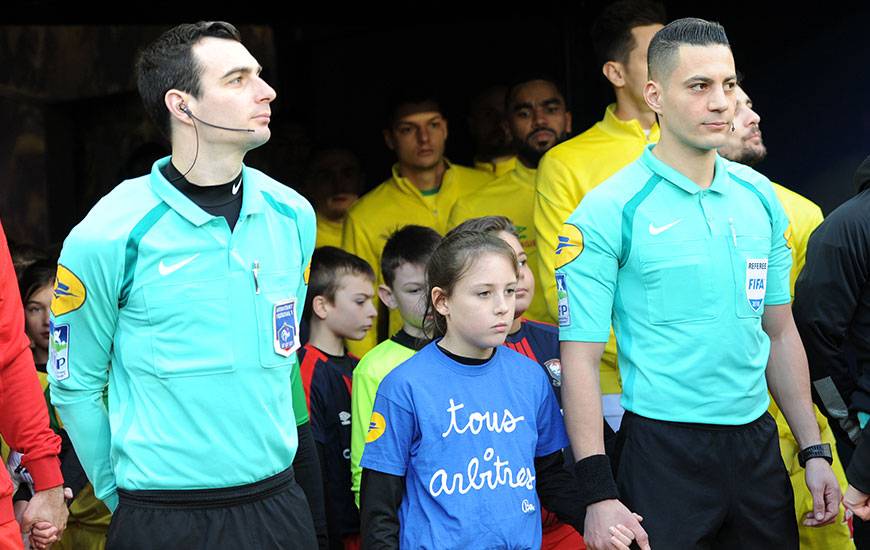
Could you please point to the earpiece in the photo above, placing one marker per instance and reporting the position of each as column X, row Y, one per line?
column 183, row 108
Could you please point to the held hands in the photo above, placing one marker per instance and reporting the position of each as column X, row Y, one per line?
column 610, row 525
column 826, row 493
column 857, row 502
column 45, row 516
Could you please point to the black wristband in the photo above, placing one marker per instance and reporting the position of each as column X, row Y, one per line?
column 595, row 479
column 822, row 450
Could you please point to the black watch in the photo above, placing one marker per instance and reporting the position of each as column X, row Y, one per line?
column 822, row 450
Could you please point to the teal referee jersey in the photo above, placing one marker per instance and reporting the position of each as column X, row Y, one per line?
column 683, row 274
column 193, row 329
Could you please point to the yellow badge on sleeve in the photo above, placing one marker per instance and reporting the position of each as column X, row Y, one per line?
column 69, row 292
column 789, row 241
column 569, row 245
column 307, row 272
column 376, row 427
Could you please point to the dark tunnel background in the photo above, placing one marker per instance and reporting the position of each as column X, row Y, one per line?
column 74, row 125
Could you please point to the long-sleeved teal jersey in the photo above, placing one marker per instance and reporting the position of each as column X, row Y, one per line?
column 193, row 328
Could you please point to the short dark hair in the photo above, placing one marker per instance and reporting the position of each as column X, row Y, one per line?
column 525, row 79
column 328, row 265
column 689, row 31
column 169, row 63
column 409, row 94
column 487, row 224
column 611, row 31
column 412, row 244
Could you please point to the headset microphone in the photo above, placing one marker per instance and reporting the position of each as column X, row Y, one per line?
column 186, row 110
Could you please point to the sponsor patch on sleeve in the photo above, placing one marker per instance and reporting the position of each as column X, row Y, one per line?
column 377, row 425
column 58, row 351
column 789, row 237
column 562, row 295
column 69, row 292
column 307, row 272
column 569, row 245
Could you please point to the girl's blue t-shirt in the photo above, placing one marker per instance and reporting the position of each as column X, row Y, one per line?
column 465, row 438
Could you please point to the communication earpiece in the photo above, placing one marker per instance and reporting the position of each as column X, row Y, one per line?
column 183, row 108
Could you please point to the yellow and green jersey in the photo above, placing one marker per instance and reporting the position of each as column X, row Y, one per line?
column 392, row 205
column 496, row 169
column 565, row 175
column 328, row 232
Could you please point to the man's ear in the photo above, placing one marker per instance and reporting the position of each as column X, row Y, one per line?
column 389, row 140
column 175, row 102
column 614, row 71
column 385, row 293
column 652, row 94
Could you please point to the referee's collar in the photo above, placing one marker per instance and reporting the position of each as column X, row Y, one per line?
column 720, row 183
column 252, row 199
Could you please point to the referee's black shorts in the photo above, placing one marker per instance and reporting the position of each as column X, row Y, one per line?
column 703, row 486
column 269, row 514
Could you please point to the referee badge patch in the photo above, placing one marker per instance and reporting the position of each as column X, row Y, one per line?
column 285, row 324
column 756, row 282
column 569, row 245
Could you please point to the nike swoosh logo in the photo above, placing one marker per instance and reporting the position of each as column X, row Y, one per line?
column 167, row 269
column 653, row 230
column 236, row 187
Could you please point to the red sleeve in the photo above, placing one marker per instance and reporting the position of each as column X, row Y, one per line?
column 23, row 413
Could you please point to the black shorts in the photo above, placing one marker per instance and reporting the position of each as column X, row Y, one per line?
column 702, row 486
column 269, row 514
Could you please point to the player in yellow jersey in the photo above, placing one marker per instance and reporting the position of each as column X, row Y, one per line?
column 494, row 153
column 422, row 190
column 334, row 179
column 620, row 36
column 746, row 146
column 538, row 119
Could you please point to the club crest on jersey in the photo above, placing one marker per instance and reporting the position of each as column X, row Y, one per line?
column 756, row 282
column 554, row 368
column 58, row 350
column 562, row 295
column 69, row 292
column 569, row 245
column 377, row 425
column 286, row 327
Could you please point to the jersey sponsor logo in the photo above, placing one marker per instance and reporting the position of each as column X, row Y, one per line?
column 377, row 425
column 172, row 268
column 789, row 237
column 569, row 245
column 756, row 282
column 653, row 230
column 562, row 295
column 554, row 368
column 69, row 292
column 286, row 328
column 521, row 231
column 58, row 350
column 236, row 187
column 527, row 506
column 344, row 418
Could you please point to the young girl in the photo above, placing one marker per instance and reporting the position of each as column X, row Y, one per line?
column 467, row 434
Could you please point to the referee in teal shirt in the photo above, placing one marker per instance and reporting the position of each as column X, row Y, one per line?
column 687, row 255
column 181, row 292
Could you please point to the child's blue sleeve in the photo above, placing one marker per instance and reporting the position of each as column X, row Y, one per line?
column 389, row 437
column 551, row 428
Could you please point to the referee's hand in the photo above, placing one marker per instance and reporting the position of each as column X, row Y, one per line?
column 826, row 493
column 610, row 525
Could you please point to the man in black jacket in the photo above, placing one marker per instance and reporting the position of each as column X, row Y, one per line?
column 832, row 312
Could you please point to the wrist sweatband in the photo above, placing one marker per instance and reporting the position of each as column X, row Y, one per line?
column 595, row 479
